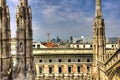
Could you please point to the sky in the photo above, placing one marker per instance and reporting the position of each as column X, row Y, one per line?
column 65, row 18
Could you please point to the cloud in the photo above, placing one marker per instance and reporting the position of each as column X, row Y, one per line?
column 111, row 13
column 13, row 2
column 109, row 5
column 61, row 12
column 36, row 30
column 111, row 8
column 56, row 18
column 67, row 17
column 13, row 27
column 50, row 11
column 12, row 9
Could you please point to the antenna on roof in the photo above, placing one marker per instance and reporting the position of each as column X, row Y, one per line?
column 48, row 37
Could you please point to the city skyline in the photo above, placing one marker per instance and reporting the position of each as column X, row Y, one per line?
column 65, row 18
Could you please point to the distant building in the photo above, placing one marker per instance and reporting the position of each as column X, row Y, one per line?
column 81, row 39
column 113, row 39
column 38, row 45
column 73, row 62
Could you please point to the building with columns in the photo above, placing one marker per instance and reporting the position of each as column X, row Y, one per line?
column 63, row 63
column 67, row 63
column 74, row 62
column 5, row 36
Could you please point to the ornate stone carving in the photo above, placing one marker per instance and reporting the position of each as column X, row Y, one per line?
column 98, row 40
column 5, row 35
column 24, row 43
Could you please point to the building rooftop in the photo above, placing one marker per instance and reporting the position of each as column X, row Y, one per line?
column 43, row 51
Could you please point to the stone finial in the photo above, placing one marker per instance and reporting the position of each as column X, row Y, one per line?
column 98, row 8
column 2, row 3
column 24, row 2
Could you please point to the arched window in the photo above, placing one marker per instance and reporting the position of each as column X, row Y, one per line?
column 79, row 60
column 50, row 60
column 21, row 47
column 88, row 60
column 69, row 60
column 40, row 61
column 60, row 60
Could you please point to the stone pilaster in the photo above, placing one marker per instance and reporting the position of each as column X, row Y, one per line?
column 55, row 69
column 37, row 69
column 74, row 69
column 46, row 69
column 65, row 69
column 84, row 68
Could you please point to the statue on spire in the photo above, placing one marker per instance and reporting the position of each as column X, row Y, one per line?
column 98, row 8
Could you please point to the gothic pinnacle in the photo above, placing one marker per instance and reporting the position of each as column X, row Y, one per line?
column 2, row 3
column 24, row 56
column 24, row 2
column 5, row 47
column 98, row 8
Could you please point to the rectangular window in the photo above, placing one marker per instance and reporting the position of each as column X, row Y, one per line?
column 50, row 69
column 33, row 46
column 38, row 46
column 78, row 60
column 78, row 69
column 40, row 69
column 69, row 69
column 88, row 68
column 77, row 46
column 112, row 46
column 60, row 69
column 90, row 46
column 83, row 46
